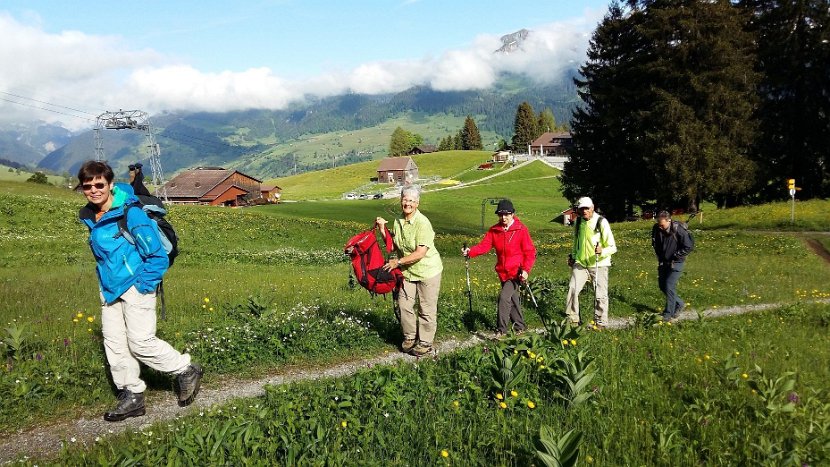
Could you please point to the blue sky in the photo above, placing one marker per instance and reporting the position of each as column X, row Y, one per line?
column 216, row 56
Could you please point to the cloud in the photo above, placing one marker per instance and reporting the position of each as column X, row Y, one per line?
column 78, row 70
column 89, row 74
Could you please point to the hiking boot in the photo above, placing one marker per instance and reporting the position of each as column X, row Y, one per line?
column 130, row 404
column 407, row 345
column 189, row 381
column 421, row 349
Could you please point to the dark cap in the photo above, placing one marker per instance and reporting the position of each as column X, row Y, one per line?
column 505, row 207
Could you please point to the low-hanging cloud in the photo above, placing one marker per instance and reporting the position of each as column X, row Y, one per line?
column 97, row 73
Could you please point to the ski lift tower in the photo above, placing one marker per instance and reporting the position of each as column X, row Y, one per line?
column 132, row 120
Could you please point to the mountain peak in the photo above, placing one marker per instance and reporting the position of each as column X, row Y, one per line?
column 513, row 42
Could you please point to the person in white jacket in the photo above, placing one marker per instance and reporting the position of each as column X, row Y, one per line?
column 590, row 258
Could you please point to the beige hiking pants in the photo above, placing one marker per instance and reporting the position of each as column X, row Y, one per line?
column 579, row 276
column 423, row 325
column 129, row 328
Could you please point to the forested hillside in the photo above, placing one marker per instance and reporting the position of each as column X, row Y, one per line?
column 267, row 141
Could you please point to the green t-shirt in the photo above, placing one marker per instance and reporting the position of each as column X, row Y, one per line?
column 408, row 236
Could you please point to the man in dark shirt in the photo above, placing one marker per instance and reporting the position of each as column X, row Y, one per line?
column 672, row 242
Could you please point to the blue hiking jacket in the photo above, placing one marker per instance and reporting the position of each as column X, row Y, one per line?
column 120, row 264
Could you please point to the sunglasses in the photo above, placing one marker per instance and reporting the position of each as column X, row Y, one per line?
column 88, row 186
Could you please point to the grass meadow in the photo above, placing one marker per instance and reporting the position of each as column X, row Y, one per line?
column 256, row 290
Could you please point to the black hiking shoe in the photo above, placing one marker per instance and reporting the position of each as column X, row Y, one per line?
column 189, row 382
column 130, row 404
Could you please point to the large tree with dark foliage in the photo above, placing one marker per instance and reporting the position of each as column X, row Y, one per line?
column 606, row 161
column 699, row 130
column 669, row 93
column 794, row 57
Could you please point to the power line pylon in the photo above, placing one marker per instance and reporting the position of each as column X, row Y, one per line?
column 133, row 120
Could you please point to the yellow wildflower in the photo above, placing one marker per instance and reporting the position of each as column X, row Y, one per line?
column 207, row 300
column 744, row 375
column 502, row 405
column 531, row 405
column 344, row 423
column 499, row 396
column 90, row 318
column 573, row 341
column 79, row 315
column 514, row 393
column 444, row 453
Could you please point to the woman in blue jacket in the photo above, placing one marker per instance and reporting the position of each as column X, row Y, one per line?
column 128, row 274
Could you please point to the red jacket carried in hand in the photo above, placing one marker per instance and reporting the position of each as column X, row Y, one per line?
column 514, row 249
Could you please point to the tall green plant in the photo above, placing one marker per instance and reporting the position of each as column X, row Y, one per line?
column 508, row 371
column 574, row 375
column 562, row 451
column 14, row 340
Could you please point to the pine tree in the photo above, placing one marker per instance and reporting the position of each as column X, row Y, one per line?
column 794, row 57
column 606, row 161
column 699, row 131
column 470, row 137
column 524, row 127
column 445, row 144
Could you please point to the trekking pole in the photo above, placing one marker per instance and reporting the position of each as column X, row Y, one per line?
column 529, row 290
column 596, row 274
column 467, row 270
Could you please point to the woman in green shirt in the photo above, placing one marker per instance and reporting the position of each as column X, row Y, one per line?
column 421, row 265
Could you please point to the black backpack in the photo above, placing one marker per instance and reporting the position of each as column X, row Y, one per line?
column 154, row 208
column 685, row 226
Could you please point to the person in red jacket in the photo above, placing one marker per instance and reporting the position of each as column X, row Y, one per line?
column 515, row 255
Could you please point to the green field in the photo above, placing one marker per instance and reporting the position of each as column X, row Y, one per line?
column 334, row 183
column 9, row 174
column 373, row 141
column 257, row 289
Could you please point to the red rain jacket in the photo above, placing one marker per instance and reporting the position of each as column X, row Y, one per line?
column 514, row 249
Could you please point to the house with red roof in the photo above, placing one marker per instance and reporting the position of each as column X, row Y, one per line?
column 214, row 186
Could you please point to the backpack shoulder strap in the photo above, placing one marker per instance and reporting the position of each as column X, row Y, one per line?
column 598, row 227
column 123, row 228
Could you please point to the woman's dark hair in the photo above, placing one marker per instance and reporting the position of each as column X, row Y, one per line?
column 92, row 169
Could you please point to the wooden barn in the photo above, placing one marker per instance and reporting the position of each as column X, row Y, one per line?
column 270, row 193
column 397, row 170
column 551, row 144
column 422, row 149
column 214, row 186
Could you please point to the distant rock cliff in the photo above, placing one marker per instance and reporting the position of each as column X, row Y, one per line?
column 513, row 42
